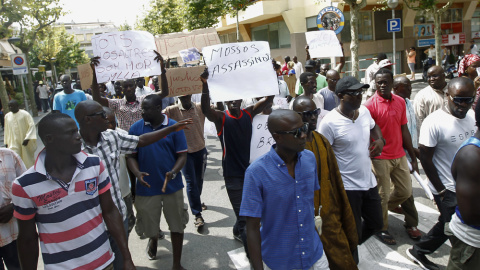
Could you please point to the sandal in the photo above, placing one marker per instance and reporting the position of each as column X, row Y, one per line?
column 199, row 222
column 151, row 253
column 204, row 207
column 386, row 238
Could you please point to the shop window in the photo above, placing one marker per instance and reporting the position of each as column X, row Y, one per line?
column 277, row 34
column 365, row 27
column 381, row 18
column 230, row 38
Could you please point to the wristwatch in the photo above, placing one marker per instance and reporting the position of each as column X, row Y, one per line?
column 174, row 174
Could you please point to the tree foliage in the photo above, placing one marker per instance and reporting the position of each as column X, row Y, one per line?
column 55, row 42
column 125, row 27
column 32, row 16
column 168, row 16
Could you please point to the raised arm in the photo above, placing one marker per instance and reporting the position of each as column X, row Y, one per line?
column 259, row 106
column 164, row 87
column 95, row 91
column 151, row 137
column 342, row 60
column 308, row 53
column 212, row 115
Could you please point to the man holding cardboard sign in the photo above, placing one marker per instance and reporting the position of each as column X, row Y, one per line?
column 234, row 129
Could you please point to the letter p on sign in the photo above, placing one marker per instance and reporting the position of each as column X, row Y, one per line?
column 394, row 25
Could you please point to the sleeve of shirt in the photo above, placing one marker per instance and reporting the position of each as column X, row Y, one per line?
column 180, row 142
column 327, row 131
column 128, row 143
column 82, row 95
column 252, row 201
column 56, row 104
column 428, row 133
column 298, row 88
column 419, row 108
column 24, row 207
column 19, row 165
column 369, row 106
column 103, row 180
column 403, row 115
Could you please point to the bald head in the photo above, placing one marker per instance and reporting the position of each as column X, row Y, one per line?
column 461, row 86
column 283, row 120
column 332, row 74
column 400, row 80
column 85, row 108
column 303, row 103
column 402, row 87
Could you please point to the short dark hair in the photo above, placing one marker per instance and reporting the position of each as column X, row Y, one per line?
column 155, row 99
column 304, row 76
column 384, row 71
column 48, row 124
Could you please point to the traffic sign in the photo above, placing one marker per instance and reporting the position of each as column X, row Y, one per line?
column 19, row 64
column 394, row 25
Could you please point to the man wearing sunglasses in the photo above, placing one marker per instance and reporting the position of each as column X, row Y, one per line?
column 109, row 144
column 350, row 130
column 278, row 197
column 339, row 234
column 441, row 134
column 432, row 97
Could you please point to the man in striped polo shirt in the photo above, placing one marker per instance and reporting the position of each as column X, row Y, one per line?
column 66, row 196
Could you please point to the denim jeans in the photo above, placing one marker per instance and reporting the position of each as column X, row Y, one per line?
column 436, row 236
column 194, row 171
column 234, row 186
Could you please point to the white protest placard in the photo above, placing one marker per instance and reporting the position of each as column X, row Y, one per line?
column 240, row 71
column 169, row 45
column 323, row 44
column 125, row 55
column 262, row 139
column 280, row 103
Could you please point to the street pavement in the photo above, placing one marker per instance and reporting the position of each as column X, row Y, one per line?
column 214, row 247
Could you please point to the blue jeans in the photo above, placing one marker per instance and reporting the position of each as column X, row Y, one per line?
column 194, row 171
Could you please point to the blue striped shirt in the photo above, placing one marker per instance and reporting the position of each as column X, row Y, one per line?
column 285, row 206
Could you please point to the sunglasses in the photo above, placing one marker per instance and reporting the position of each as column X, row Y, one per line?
column 309, row 114
column 101, row 113
column 296, row 132
column 460, row 100
column 355, row 93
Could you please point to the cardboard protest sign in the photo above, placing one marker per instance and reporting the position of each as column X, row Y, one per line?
column 323, row 44
column 291, row 81
column 125, row 55
column 189, row 55
column 169, row 45
column 85, row 74
column 240, row 71
column 184, row 81
column 262, row 139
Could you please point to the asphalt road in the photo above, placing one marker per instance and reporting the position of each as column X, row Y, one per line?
column 215, row 248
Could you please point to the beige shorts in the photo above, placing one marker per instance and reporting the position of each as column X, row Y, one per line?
column 149, row 212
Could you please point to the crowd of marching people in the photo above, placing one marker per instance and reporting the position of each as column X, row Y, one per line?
column 343, row 156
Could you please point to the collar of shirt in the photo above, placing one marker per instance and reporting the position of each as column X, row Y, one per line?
column 100, row 140
column 381, row 99
column 440, row 91
column 164, row 123
column 277, row 159
column 180, row 106
column 127, row 102
column 39, row 165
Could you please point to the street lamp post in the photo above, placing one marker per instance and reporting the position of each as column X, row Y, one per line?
column 393, row 4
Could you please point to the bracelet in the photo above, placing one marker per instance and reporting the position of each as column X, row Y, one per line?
column 383, row 140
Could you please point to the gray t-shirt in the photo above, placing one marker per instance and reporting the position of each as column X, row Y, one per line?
column 331, row 100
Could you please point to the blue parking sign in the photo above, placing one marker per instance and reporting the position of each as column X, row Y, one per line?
column 394, row 25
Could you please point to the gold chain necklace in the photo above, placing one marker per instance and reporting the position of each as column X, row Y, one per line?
column 351, row 118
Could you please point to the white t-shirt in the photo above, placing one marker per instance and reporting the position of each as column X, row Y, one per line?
column 350, row 142
column 446, row 133
column 143, row 91
column 465, row 233
column 298, row 67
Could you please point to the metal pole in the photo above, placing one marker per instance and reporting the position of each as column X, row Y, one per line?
column 56, row 77
column 24, row 94
column 238, row 30
column 393, row 57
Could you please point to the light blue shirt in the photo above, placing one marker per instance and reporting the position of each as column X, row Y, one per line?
column 285, row 206
column 66, row 103
column 412, row 125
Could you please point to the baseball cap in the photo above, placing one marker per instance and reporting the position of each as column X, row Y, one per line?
column 310, row 64
column 349, row 83
column 385, row 63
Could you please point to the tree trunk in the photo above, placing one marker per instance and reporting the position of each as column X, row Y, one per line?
column 3, row 96
column 354, row 40
column 437, row 20
column 30, row 93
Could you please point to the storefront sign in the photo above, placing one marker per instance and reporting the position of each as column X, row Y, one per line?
column 475, row 34
column 425, row 42
column 331, row 18
column 453, row 39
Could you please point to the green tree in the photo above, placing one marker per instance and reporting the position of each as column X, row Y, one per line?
column 124, row 27
column 55, row 42
column 35, row 16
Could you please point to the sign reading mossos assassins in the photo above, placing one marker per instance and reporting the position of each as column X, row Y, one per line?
column 331, row 18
